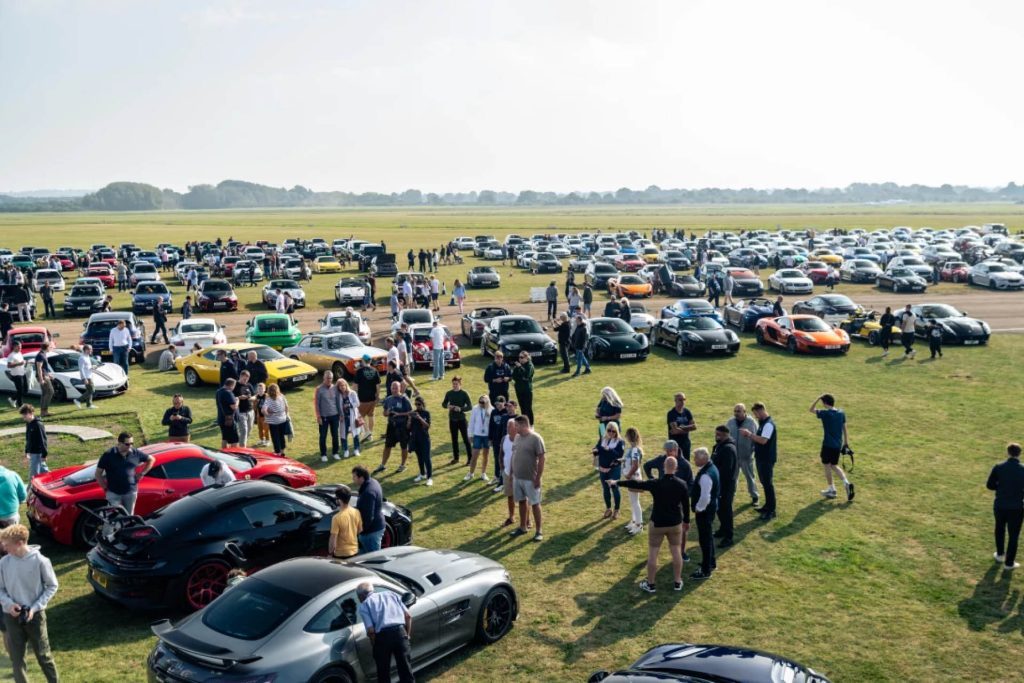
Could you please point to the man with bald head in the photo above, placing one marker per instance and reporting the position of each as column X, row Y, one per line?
column 670, row 519
column 655, row 467
column 397, row 410
column 388, row 623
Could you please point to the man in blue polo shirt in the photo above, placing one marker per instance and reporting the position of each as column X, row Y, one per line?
column 116, row 472
column 388, row 624
column 835, row 438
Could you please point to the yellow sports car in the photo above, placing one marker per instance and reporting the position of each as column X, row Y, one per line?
column 203, row 367
column 326, row 264
column 867, row 327
column 651, row 255
column 827, row 256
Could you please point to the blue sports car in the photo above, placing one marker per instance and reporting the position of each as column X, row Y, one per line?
column 690, row 308
column 744, row 314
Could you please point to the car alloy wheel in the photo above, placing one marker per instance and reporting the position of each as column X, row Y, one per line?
column 87, row 528
column 388, row 539
column 680, row 347
column 60, row 392
column 205, row 582
column 192, row 378
column 338, row 370
column 873, row 338
column 495, row 616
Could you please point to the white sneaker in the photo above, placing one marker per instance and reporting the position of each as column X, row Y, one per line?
column 78, row 404
column 12, row 402
column 829, row 493
column 484, row 478
column 468, row 477
column 323, row 458
column 357, row 453
column 337, row 457
column 913, row 353
column 429, row 482
column 92, row 407
column 885, row 353
column 498, row 489
column 418, row 478
column 998, row 557
column 1011, row 567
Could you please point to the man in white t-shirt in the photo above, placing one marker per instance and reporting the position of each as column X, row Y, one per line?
column 435, row 291
column 506, row 470
column 85, row 372
column 908, row 323
column 16, row 368
column 437, row 340
column 214, row 473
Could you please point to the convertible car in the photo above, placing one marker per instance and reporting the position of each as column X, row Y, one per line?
column 302, row 618
column 179, row 556
column 277, row 330
column 695, row 335
column 690, row 308
column 474, row 322
column 31, row 338
column 956, row 327
column 866, row 326
column 686, row 663
column 108, row 378
column 832, row 308
column 744, row 314
column 629, row 285
column 55, row 497
column 291, row 287
column 202, row 367
column 514, row 333
column 802, row 334
column 615, row 339
column 336, row 351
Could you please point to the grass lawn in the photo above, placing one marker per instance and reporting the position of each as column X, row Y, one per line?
column 874, row 590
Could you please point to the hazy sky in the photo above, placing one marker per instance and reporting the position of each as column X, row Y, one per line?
column 549, row 95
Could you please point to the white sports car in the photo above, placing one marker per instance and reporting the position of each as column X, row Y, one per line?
column 334, row 322
column 203, row 331
column 790, row 281
column 108, row 379
column 349, row 291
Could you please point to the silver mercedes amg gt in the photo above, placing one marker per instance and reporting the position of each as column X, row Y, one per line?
column 298, row 620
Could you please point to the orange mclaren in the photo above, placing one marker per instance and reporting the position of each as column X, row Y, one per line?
column 802, row 334
column 630, row 286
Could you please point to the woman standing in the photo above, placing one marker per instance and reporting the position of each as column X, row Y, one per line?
column 522, row 377
column 634, row 454
column 609, row 409
column 574, row 301
column 479, row 431
column 275, row 410
column 348, row 410
column 261, row 419
column 609, row 453
column 459, row 292
column 419, row 441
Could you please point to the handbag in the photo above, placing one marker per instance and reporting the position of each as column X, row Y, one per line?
column 288, row 431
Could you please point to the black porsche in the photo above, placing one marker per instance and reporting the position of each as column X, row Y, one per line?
column 511, row 334
column 615, row 339
column 695, row 335
column 686, row 286
column 178, row 557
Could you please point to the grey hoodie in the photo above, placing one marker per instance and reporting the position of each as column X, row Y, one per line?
column 28, row 581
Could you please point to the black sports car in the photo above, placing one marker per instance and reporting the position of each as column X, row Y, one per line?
column 694, row 335
column 702, row 663
column 744, row 314
column 615, row 339
column 902, row 280
column 686, row 286
column 832, row 308
column 745, row 282
column 676, row 260
column 956, row 327
column 177, row 556
column 514, row 333
column 474, row 322
column 83, row 300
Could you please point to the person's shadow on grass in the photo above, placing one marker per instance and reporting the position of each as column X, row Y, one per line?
column 807, row 516
column 992, row 602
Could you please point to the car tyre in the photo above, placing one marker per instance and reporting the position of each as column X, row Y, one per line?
column 791, row 345
column 680, row 347
column 60, row 392
column 496, row 615
column 339, row 371
column 333, row 675
column 204, row 582
column 874, row 338
column 759, row 336
column 86, row 529
column 192, row 378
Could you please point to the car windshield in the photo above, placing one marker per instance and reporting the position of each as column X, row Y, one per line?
column 422, row 334
column 699, row 324
column 238, row 463
column 64, row 362
column 343, row 340
column 673, row 254
column 811, row 325
column 85, row 291
column 82, row 476
column 263, row 353
column 637, row 307
column 417, row 316
column 145, row 268
column 630, row 280
column 151, row 288
column 216, row 286
column 996, row 268
column 909, row 261
column 864, row 264
column 695, row 306
column 837, row 300
column 483, row 269
column 99, row 271
column 741, row 273
column 610, row 326
column 283, row 284
column 790, row 274
column 956, row 264
column 520, row 326
column 350, row 282
column 901, row 272
column 324, row 259
column 939, row 311
column 275, row 324
column 197, row 328
column 101, row 327
column 252, row 609
column 604, row 268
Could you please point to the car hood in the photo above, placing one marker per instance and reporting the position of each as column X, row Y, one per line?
column 286, row 367
column 484, row 276
column 530, row 338
column 720, row 662
column 960, row 324
column 349, row 288
column 435, row 570
column 293, row 293
column 627, row 342
column 83, row 298
column 218, row 295
column 151, row 297
column 757, row 311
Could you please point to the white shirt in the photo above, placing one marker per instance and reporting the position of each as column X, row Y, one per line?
column 704, row 482
column 435, row 286
column 16, row 357
column 280, row 305
column 119, row 337
column 437, row 337
column 907, row 322
column 479, row 421
column 393, row 354
column 223, row 477
column 407, row 288
column 85, row 366
column 506, row 450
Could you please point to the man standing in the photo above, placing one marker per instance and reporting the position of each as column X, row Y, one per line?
column 705, row 504
column 1007, row 480
column 120, row 341
column 177, row 419
column 723, row 456
column 564, row 329
column 396, row 409
column 370, row 504
column 435, row 292
column 326, row 402
column 580, row 335
column 522, row 376
column 887, row 321
column 680, row 424
column 834, row 440
column 765, row 439
column 12, row 495
column 588, row 298
column 655, row 467
column 44, row 377
column 907, row 323
column 437, row 340
column 346, row 525
column 257, row 369
column 367, row 381
column 777, row 309
column 46, row 292
column 227, row 409
column 27, row 582
column 551, row 296
column 528, row 457
column 228, row 369
column 85, row 373
column 115, row 472
column 6, row 321
column 458, row 403
column 670, row 519
column 159, row 321
column 497, row 375
column 245, row 392
column 744, row 449
column 16, row 368
column 35, row 442
column 388, row 624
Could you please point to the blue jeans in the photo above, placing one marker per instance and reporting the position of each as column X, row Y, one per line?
column 438, row 355
column 344, row 439
column 120, row 354
column 581, row 360
column 36, row 465
column 611, row 492
column 369, row 542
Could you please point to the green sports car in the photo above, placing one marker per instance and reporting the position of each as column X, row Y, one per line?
column 276, row 330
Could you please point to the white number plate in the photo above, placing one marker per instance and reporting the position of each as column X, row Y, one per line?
column 832, row 347
column 628, row 355
column 299, row 378
column 535, row 354
column 719, row 347
column 971, row 341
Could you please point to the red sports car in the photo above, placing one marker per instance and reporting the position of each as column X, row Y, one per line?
column 816, row 271
column 629, row 263
column 53, row 497
column 422, row 348
column 954, row 271
column 66, row 262
column 31, row 338
column 802, row 334
column 104, row 273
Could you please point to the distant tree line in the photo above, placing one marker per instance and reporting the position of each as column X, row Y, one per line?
column 238, row 194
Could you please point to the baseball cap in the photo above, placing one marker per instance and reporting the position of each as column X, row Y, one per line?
column 366, row 357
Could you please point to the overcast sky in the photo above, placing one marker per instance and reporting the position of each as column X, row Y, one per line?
column 549, row 95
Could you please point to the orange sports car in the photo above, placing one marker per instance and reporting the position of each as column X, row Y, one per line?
column 629, row 285
column 802, row 334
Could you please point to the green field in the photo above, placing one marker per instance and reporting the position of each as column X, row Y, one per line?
column 897, row 586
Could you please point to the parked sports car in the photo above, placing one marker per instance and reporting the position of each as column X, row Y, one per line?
column 629, row 285
column 514, row 333
column 695, row 335
column 246, row 271
column 598, row 274
column 108, row 379
column 83, row 299
column 302, row 617
column 859, row 270
column 474, row 322
column 994, row 276
column 580, row 263
column 545, row 262
column 640, row 319
column 687, row 286
column 146, row 294
column 802, row 333
column 277, row 330
column 816, row 271
column 790, row 281
column 675, row 259
column 745, row 282
column 956, row 327
column 291, row 287
column 326, row 264
column 866, row 326
column 615, row 339
column 203, row 331
column 216, row 295
column 483, row 276
column 690, row 308
column 202, row 367
column 744, row 314
column 177, row 556
column 336, row 322
column 901, row 280
column 422, row 348
column 832, row 308
column 350, row 291
column 54, row 497
column 628, row 263
column 336, row 351
column 685, row 663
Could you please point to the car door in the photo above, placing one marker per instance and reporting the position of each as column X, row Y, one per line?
column 423, row 643
column 208, row 367
column 280, row 528
column 669, row 331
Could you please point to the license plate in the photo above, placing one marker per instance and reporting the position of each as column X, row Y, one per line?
column 536, row 354
column 104, row 354
column 719, row 347
column 100, row 578
column 220, row 304
column 300, row 378
column 972, row 341
column 628, row 355
column 832, row 347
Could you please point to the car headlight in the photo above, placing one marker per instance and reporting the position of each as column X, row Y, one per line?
column 549, row 346
column 731, row 336
column 512, row 347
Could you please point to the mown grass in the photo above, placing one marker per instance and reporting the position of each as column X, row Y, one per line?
column 898, row 585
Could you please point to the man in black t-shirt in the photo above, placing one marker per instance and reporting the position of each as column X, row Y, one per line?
column 680, row 424
column 116, row 472
column 367, row 381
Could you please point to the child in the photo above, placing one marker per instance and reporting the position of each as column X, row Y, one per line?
column 506, row 470
column 935, row 340
column 261, row 420
column 634, row 454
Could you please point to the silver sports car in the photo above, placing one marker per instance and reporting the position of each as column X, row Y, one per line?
column 299, row 621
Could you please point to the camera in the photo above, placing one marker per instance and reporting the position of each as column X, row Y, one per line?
column 846, row 450
column 23, row 614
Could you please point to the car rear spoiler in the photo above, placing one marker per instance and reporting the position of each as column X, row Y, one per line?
column 213, row 655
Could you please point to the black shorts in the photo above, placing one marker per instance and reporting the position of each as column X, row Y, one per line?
column 397, row 434
column 229, row 434
column 829, row 455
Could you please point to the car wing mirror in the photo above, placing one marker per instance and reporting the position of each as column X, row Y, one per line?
column 408, row 599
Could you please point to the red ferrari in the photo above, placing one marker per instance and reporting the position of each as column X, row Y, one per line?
column 104, row 273
column 31, row 338
column 53, row 497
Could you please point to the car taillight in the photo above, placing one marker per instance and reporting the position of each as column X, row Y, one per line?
column 142, row 533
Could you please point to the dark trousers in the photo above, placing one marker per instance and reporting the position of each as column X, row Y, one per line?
column 159, row 328
column 392, row 642
column 706, row 539
column 611, row 493
column 1008, row 520
column 329, row 422
column 20, row 388
column 421, row 447
column 455, row 428
column 499, row 456
column 907, row 339
column 552, row 308
column 766, row 473
column 884, row 339
column 21, row 636
column 48, row 309
column 935, row 346
column 525, row 399
column 277, row 436
column 725, row 501
column 563, row 351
